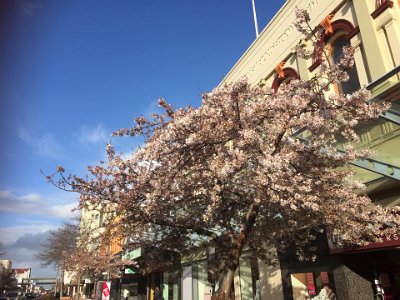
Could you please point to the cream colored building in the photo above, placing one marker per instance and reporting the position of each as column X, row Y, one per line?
column 373, row 29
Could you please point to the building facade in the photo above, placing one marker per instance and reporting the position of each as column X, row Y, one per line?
column 372, row 28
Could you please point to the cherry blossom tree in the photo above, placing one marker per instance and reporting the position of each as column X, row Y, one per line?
column 90, row 257
column 246, row 169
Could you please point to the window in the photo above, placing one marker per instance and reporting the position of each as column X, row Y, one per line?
column 289, row 74
column 312, row 285
column 336, row 54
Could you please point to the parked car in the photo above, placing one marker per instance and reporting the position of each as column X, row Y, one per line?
column 30, row 296
column 14, row 295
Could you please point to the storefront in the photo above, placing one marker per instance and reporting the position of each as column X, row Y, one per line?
column 141, row 284
column 308, row 279
column 370, row 270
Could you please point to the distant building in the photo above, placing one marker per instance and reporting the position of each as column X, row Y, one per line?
column 6, row 276
column 5, row 264
column 20, row 274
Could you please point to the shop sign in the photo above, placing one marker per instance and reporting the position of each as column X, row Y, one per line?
column 310, row 284
column 388, row 241
column 105, row 294
column 131, row 271
column 132, row 254
column 325, row 278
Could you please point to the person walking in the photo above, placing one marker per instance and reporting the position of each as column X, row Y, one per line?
column 157, row 294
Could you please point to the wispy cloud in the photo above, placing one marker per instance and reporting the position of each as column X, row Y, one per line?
column 45, row 145
column 94, row 135
column 11, row 234
column 63, row 211
column 22, row 204
column 22, row 251
column 35, row 204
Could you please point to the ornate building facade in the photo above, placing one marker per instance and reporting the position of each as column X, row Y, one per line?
column 372, row 28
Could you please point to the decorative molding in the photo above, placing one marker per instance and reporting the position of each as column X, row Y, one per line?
column 383, row 5
column 326, row 23
column 355, row 39
column 288, row 32
column 353, row 33
column 279, row 69
column 315, row 64
column 288, row 72
column 338, row 25
column 384, row 19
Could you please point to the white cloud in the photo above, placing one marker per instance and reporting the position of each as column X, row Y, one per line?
column 35, row 204
column 11, row 234
column 94, row 135
column 63, row 211
column 45, row 145
column 22, row 204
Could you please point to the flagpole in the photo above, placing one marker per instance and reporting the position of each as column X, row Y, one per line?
column 255, row 17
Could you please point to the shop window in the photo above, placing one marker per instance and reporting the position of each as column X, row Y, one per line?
column 336, row 54
column 171, row 281
column 250, row 288
column 202, row 288
column 312, row 285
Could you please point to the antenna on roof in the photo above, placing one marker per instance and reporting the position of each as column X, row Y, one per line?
column 255, row 17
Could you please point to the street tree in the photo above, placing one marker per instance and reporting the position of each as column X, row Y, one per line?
column 7, row 280
column 59, row 245
column 248, row 168
column 91, row 259
column 60, row 241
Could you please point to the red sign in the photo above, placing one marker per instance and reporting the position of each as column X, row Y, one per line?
column 105, row 290
column 325, row 278
column 310, row 284
column 389, row 241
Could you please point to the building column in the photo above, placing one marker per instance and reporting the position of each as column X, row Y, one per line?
column 375, row 51
column 270, row 281
column 351, row 281
column 393, row 35
column 359, row 60
column 187, row 282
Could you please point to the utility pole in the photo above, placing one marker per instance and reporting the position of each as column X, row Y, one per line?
column 255, row 17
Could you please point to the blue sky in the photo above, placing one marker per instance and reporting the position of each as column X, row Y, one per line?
column 72, row 71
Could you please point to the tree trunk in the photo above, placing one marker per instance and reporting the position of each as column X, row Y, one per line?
column 62, row 283
column 225, row 286
column 230, row 264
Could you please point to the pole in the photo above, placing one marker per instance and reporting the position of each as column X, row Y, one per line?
column 255, row 17
column 79, row 288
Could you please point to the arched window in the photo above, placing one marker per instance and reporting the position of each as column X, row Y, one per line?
column 339, row 26
column 334, row 40
column 288, row 74
column 336, row 54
